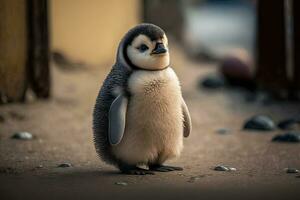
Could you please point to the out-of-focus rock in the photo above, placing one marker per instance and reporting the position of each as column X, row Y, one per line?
column 260, row 122
column 287, row 137
column 289, row 124
column 237, row 68
column 212, row 82
column 224, row 168
column 22, row 136
column 121, row 183
column 64, row 165
column 291, row 170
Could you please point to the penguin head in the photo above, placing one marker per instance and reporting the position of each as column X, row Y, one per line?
column 146, row 47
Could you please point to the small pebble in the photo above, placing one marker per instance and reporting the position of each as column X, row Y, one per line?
column 289, row 124
column 291, row 170
column 287, row 137
column 260, row 122
column 121, row 183
column 212, row 82
column 221, row 168
column 224, row 168
column 22, row 136
column 63, row 165
column 223, row 131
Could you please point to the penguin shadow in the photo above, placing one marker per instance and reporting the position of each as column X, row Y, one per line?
column 89, row 174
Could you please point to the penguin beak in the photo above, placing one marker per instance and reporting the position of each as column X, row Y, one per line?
column 159, row 49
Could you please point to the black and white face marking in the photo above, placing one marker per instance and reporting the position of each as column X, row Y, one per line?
column 147, row 54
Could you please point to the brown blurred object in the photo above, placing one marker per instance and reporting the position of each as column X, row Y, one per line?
column 296, row 38
column 13, row 50
column 24, row 52
column 237, row 65
column 167, row 14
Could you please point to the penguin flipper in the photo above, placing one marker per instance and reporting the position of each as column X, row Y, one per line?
column 187, row 122
column 117, row 119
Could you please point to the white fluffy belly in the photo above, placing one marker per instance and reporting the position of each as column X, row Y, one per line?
column 154, row 122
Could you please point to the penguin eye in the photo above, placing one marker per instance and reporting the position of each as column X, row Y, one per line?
column 143, row 48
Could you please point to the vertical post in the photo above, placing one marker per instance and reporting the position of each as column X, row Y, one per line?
column 13, row 48
column 296, row 39
column 38, row 71
column 271, row 70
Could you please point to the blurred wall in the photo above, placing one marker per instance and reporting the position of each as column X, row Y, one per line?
column 89, row 31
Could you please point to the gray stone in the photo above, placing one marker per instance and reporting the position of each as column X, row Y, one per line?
column 64, row 165
column 260, row 122
column 291, row 170
column 121, row 183
column 287, row 137
column 22, row 136
column 224, row 168
column 221, row 168
column 212, row 82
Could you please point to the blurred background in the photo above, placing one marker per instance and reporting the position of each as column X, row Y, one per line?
column 238, row 62
column 76, row 34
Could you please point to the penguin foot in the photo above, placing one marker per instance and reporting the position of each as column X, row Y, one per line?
column 164, row 168
column 137, row 171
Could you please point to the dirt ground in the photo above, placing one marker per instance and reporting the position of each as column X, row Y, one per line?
column 62, row 127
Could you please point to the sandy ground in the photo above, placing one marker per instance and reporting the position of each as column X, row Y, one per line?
column 63, row 133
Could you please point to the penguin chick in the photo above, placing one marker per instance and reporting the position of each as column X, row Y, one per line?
column 140, row 117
